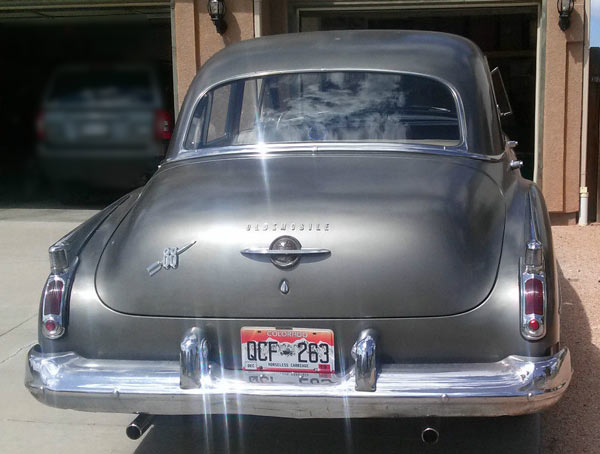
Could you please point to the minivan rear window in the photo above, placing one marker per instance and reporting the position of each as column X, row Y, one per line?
column 102, row 86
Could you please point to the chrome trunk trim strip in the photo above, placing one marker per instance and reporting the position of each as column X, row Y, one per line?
column 267, row 251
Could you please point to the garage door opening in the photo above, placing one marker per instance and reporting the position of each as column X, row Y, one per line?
column 507, row 36
column 81, row 93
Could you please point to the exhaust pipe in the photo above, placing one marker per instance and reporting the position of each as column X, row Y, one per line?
column 430, row 436
column 139, row 426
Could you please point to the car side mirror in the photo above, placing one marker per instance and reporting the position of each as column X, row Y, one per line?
column 502, row 101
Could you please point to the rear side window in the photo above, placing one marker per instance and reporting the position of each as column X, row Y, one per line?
column 337, row 106
column 217, row 119
column 115, row 87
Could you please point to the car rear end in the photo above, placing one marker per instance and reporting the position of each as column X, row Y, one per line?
column 346, row 338
column 276, row 267
column 105, row 125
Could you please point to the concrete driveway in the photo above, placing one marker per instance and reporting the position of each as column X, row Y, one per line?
column 27, row 426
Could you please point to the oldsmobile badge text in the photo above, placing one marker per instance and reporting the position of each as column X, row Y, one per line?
column 291, row 227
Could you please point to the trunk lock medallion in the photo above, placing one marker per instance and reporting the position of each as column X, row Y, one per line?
column 285, row 243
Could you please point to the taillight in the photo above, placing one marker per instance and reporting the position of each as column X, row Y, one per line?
column 534, row 296
column 40, row 126
column 53, row 307
column 533, row 293
column 55, row 296
column 163, row 125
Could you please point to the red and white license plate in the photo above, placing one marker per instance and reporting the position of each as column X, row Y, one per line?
column 287, row 349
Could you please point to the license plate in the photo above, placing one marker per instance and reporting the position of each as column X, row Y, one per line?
column 292, row 378
column 287, row 350
column 94, row 129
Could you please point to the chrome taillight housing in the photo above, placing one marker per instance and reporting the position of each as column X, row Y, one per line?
column 533, row 285
column 55, row 296
column 53, row 311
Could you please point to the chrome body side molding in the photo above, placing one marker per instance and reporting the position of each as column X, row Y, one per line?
column 534, row 256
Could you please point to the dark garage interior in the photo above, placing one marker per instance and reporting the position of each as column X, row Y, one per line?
column 34, row 44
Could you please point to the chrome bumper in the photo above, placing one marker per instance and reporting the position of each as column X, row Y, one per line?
column 512, row 386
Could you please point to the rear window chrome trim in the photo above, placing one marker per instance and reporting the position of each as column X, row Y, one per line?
column 459, row 149
column 266, row 150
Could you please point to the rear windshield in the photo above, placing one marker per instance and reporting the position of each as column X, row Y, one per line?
column 340, row 106
column 102, row 86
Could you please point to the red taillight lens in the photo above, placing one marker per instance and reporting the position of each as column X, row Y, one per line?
column 53, row 297
column 534, row 296
column 40, row 126
column 50, row 326
column 163, row 125
column 534, row 325
column 533, row 305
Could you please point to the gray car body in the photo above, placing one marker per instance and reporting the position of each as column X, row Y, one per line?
column 425, row 242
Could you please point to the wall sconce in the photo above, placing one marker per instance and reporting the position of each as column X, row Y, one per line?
column 216, row 10
column 565, row 8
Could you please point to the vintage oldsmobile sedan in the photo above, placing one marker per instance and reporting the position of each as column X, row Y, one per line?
column 340, row 229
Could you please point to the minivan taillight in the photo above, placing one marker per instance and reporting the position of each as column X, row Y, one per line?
column 40, row 126
column 533, row 293
column 163, row 125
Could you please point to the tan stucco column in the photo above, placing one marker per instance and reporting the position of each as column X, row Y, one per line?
column 184, row 44
column 561, row 145
column 196, row 39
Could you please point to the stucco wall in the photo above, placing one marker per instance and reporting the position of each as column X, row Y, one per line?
column 184, row 43
column 561, row 144
column 196, row 39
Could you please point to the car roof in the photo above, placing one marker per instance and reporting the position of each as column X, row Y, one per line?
column 437, row 54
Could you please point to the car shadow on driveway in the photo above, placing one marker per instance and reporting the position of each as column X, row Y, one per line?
column 259, row 434
column 573, row 425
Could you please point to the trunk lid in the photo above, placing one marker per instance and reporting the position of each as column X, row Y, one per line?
column 409, row 236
